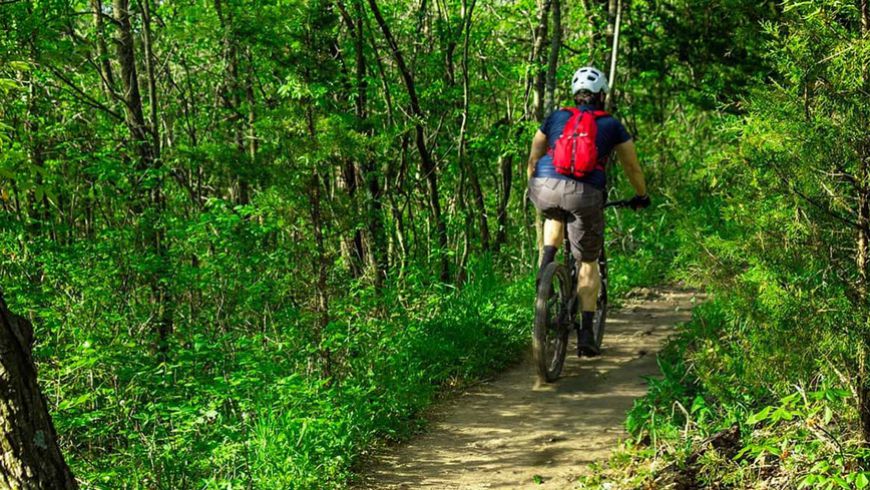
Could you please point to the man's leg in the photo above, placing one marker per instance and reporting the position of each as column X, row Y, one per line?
column 587, row 236
column 554, row 233
column 588, row 284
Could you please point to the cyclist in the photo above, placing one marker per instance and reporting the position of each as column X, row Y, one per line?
column 579, row 202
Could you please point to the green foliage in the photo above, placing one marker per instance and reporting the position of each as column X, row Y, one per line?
column 767, row 218
column 239, row 406
column 242, row 292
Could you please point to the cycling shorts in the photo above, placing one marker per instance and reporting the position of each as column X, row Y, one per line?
column 579, row 205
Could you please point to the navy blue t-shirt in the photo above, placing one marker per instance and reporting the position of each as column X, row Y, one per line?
column 611, row 132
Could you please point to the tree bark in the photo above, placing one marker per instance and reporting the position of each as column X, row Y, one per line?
column 535, row 76
column 865, row 16
column 145, row 7
column 862, row 255
column 609, row 31
column 321, row 295
column 483, row 220
column 132, row 96
column 506, row 164
column 353, row 245
column 590, row 30
column 31, row 458
column 152, row 194
column 614, row 56
column 103, row 63
column 426, row 162
column 862, row 259
column 374, row 203
column 322, row 262
column 232, row 99
column 553, row 60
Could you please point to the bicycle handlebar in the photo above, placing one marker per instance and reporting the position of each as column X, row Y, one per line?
column 618, row 204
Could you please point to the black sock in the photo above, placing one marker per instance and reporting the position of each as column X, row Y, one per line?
column 549, row 255
column 588, row 318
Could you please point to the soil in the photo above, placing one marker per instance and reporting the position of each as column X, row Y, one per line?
column 513, row 432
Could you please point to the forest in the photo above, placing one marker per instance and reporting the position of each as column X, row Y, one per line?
column 243, row 243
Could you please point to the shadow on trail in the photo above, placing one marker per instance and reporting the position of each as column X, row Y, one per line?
column 513, row 431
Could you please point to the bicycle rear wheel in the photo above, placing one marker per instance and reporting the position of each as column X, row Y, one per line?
column 600, row 321
column 550, row 339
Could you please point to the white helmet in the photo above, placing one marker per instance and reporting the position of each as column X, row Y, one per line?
column 589, row 78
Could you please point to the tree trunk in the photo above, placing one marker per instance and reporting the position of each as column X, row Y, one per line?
column 152, row 194
column 145, row 7
column 132, row 96
column 232, row 100
column 426, row 162
column 614, row 56
column 862, row 259
column 104, row 64
column 321, row 293
column 862, row 255
column 322, row 259
column 39, row 208
column 31, row 459
column 535, row 76
column 590, row 30
column 374, row 204
column 553, row 60
column 506, row 165
column 864, row 391
column 483, row 221
column 611, row 28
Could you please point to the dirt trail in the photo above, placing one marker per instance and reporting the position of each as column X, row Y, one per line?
column 502, row 434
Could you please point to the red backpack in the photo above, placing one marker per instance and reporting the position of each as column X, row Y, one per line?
column 575, row 154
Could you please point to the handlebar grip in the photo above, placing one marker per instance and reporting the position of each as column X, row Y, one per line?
column 618, row 204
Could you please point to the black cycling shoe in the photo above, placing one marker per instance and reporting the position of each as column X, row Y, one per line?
column 586, row 344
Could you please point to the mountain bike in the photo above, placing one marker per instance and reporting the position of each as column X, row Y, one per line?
column 556, row 307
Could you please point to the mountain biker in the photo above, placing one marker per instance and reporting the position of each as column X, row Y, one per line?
column 579, row 202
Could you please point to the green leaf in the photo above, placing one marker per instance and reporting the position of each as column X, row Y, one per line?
column 759, row 416
column 808, row 480
column 828, row 415
column 19, row 65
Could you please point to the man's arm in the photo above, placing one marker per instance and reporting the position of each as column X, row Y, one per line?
column 539, row 149
column 628, row 158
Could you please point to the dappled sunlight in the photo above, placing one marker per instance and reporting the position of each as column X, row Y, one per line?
column 505, row 433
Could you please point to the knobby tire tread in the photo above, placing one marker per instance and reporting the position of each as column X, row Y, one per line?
column 550, row 367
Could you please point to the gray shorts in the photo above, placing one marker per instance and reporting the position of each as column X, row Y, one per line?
column 579, row 205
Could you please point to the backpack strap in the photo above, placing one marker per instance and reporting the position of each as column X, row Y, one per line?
column 603, row 160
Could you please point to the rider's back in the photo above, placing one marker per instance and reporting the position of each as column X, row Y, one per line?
column 611, row 133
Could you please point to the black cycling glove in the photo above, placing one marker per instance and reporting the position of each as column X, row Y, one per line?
column 639, row 202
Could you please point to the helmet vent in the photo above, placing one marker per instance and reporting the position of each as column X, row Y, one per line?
column 589, row 78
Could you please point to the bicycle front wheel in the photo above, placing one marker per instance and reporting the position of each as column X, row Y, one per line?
column 550, row 339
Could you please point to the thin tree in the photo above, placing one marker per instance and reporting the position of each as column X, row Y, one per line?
column 614, row 54
column 426, row 161
column 553, row 59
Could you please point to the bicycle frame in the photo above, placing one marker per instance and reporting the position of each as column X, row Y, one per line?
column 554, row 315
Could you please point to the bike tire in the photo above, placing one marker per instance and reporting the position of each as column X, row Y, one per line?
column 550, row 339
column 600, row 321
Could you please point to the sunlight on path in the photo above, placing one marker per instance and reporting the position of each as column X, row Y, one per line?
column 510, row 432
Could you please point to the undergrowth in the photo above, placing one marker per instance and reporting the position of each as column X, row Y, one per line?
column 705, row 424
column 237, row 398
